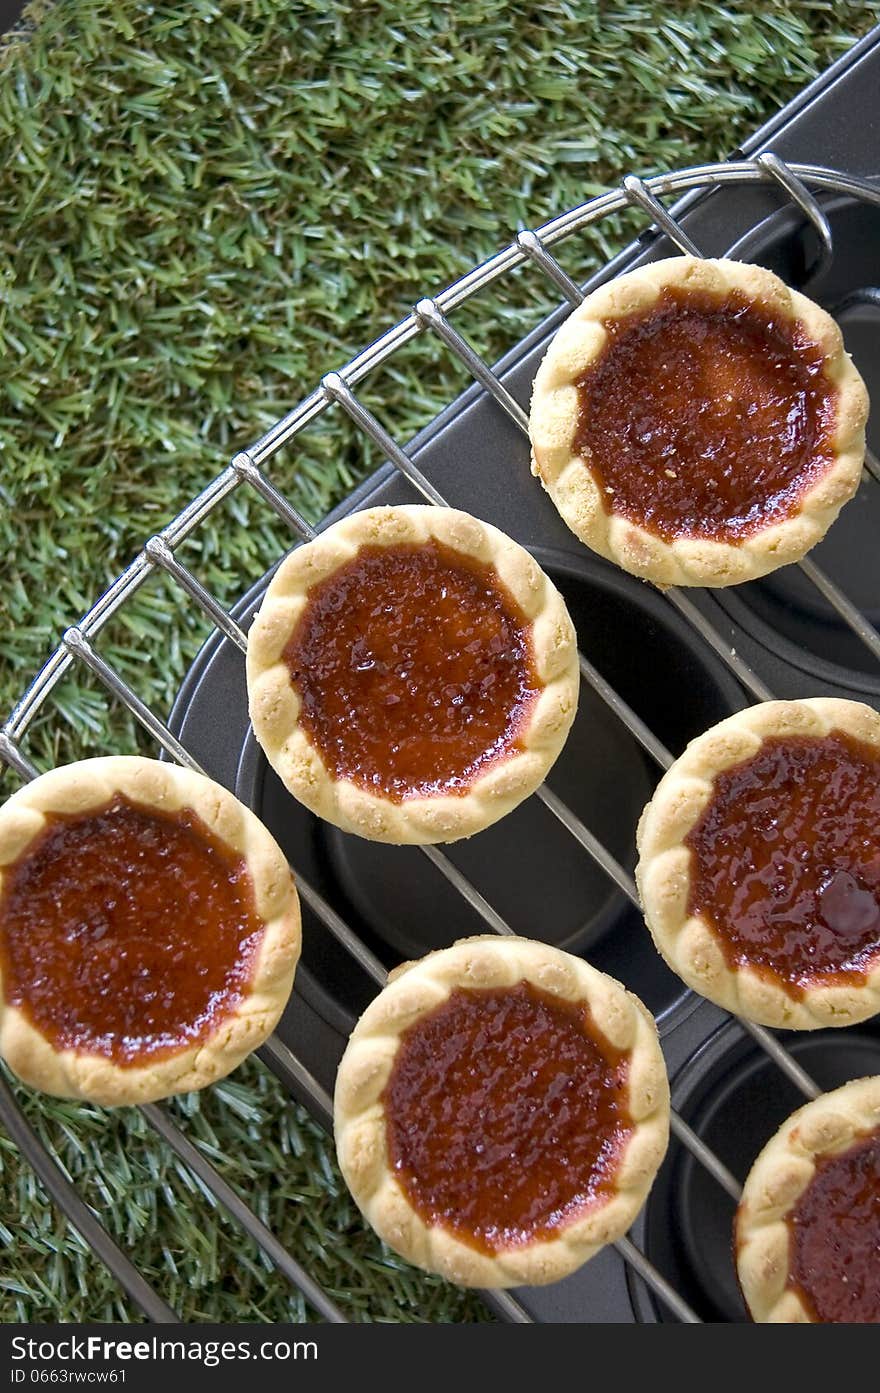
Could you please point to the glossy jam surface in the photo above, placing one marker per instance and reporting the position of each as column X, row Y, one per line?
column 415, row 670
column 704, row 417
column 506, row 1115
column 127, row 933
column 786, row 860
column 835, row 1237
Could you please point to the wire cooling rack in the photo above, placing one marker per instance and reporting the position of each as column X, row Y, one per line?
column 799, row 184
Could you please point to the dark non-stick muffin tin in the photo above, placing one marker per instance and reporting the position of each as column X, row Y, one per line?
column 680, row 664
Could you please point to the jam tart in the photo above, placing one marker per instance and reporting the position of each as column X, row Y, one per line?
column 412, row 674
column 759, row 867
column 501, row 1111
column 698, row 423
column 149, row 931
column 808, row 1225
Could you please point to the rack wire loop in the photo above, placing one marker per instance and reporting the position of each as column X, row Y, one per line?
column 338, row 390
column 530, row 243
column 640, row 196
column 160, row 554
column 429, row 313
column 797, row 191
column 78, row 645
column 251, row 473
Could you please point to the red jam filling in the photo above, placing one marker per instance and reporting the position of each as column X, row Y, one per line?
column 786, row 861
column 835, row 1237
column 506, row 1115
column 705, row 417
column 415, row 670
column 126, row 932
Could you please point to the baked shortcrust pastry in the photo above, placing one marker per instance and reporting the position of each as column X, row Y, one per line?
column 698, row 422
column 149, row 931
column 412, row 674
column 759, row 865
column 501, row 1111
column 808, row 1225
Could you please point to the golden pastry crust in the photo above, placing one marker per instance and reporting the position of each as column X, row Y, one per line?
column 687, row 942
column 275, row 705
column 828, row 1125
column 91, row 785
column 688, row 560
column 360, row 1128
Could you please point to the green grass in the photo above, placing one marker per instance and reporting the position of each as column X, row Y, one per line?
column 206, row 206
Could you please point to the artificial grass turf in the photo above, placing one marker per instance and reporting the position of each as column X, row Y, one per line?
column 205, row 207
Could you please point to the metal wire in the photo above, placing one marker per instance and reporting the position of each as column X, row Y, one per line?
column 851, row 616
column 63, row 1192
column 624, row 713
column 159, row 552
column 704, row 1155
column 234, row 1205
column 641, row 196
column 636, row 1259
column 428, row 312
column 780, row 1056
column 872, row 466
column 738, row 666
column 431, row 313
column 800, row 195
